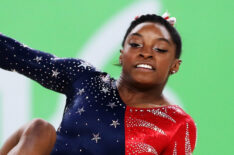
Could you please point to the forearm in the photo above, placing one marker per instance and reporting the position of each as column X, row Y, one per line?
column 35, row 64
column 52, row 72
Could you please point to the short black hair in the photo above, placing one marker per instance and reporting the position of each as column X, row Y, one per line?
column 157, row 19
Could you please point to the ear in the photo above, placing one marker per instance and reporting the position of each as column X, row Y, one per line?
column 120, row 56
column 175, row 66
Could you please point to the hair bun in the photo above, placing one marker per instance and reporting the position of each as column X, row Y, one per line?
column 171, row 20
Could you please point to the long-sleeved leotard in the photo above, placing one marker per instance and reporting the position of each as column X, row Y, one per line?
column 50, row 71
column 96, row 120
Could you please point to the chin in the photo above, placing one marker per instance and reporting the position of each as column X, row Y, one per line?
column 144, row 82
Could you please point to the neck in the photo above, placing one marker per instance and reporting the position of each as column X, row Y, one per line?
column 141, row 96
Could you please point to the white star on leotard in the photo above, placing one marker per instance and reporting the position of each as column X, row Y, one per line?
column 81, row 91
column 112, row 105
column 105, row 78
column 84, row 64
column 114, row 123
column 105, row 90
column 80, row 110
column 55, row 73
column 38, row 59
column 96, row 137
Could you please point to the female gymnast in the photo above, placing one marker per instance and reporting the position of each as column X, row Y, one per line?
column 102, row 115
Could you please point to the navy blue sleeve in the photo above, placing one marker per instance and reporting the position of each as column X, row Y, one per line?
column 50, row 71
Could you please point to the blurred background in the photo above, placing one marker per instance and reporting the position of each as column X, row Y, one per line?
column 93, row 30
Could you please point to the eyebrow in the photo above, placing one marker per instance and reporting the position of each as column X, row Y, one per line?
column 160, row 39
column 136, row 34
column 164, row 39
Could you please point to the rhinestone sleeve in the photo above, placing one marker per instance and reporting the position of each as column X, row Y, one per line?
column 50, row 71
column 184, row 141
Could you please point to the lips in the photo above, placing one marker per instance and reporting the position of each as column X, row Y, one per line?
column 146, row 66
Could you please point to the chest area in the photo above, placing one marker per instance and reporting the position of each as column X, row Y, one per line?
column 149, row 130
column 96, row 117
column 93, row 118
column 93, row 100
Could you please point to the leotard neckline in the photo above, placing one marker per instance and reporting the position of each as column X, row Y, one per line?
column 141, row 108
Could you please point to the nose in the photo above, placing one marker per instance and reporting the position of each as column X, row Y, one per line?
column 146, row 54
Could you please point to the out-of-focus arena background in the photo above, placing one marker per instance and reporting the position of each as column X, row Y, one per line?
column 93, row 30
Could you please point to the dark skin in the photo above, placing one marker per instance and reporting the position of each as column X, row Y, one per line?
column 151, row 44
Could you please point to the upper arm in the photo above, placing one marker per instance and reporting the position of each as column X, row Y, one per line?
column 184, row 140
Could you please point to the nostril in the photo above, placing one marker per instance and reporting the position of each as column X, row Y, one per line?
column 145, row 55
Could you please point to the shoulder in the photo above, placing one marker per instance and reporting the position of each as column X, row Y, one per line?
column 96, row 77
column 78, row 67
column 182, row 119
column 187, row 119
column 186, row 126
column 180, row 115
column 183, row 133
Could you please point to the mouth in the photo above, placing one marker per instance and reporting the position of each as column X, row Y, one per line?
column 144, row 66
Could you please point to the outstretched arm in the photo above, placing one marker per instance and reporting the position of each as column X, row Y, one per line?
column 50, row 71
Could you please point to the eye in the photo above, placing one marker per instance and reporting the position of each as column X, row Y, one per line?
column 135, row 45
column 159, row 50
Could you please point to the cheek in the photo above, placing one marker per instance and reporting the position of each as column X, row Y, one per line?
column 128, row 57
column 126, row 62
column 164, row 65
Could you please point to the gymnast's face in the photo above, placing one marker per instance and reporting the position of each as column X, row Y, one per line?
column 148, row 55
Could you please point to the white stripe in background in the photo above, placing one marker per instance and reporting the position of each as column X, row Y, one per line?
column 15, row 102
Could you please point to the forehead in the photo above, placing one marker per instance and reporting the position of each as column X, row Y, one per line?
column 152, row 29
